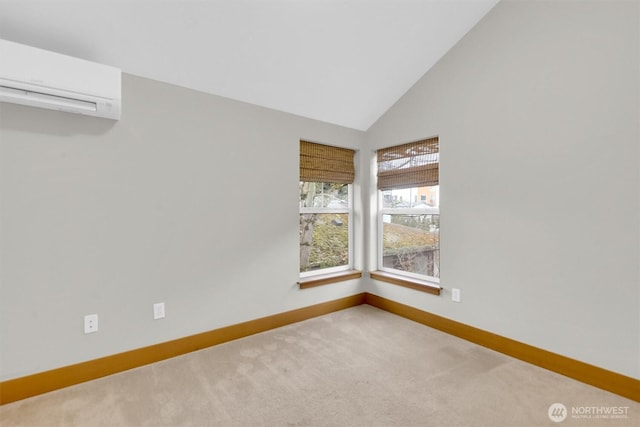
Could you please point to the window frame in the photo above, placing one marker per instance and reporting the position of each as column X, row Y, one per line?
column 350, row 232
column 380, row 238
column 409, row 165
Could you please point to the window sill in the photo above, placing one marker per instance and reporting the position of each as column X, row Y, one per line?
column 407, row 282
column 325, row 279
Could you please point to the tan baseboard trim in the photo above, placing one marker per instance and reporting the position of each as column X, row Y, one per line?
column 32, row 385
column 607, row 380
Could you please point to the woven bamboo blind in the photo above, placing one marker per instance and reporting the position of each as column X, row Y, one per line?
column 415, row 164
column 324, row 163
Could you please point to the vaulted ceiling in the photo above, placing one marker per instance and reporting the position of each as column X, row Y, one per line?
column 340, row 61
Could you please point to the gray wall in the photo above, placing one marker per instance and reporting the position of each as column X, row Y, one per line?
column 537, row 113
column 537, row 110
column 190, row 199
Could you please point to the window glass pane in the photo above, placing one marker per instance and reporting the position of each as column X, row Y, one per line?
column 324, row 195
column 412, row 243
column 416, row 197
column 324, row 241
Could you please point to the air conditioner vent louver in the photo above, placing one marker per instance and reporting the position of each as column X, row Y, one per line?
column 39, row 78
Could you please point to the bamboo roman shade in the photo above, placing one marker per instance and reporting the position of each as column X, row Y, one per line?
column 409, row 165
column 324, row 163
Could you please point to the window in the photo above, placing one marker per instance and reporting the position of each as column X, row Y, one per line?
column 326, row 212
column 409, row 213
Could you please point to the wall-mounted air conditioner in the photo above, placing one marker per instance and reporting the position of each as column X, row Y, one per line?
column 40, row 78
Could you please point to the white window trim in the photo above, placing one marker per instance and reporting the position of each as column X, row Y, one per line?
column 349, row 212
column 403, row 211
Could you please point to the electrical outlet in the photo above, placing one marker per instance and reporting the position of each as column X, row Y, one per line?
column 90, row 323
column 455, row 295
column 158, row 311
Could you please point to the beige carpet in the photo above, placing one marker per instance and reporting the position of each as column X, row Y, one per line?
column 357, row 367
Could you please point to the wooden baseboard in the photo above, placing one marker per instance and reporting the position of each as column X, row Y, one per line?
column 607, row 380
column 32, row 385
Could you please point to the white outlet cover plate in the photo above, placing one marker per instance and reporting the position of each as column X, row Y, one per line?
column 90, row 323
column 455, row 295
column 158, row 311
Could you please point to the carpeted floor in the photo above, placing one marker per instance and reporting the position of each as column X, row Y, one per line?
column 356, row 367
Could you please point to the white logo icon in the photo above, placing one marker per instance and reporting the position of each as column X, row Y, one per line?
column 557, row 412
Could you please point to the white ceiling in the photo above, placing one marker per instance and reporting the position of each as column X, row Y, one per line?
column 340, row 61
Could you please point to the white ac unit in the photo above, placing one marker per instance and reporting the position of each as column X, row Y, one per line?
column 40, row 78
